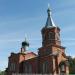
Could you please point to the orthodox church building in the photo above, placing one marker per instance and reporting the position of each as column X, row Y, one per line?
column 51, row 58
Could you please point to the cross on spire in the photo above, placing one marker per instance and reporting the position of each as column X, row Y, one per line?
column 48, row 10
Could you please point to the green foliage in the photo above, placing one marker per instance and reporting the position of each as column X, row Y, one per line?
column 71, row 65
column 2, row 72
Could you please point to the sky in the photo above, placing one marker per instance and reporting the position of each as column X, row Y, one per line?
column 20, row 18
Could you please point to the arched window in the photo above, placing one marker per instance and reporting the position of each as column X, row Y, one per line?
column 28, row 68
column 62, row 66
column 45, row 67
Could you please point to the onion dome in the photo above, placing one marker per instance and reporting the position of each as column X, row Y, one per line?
column 25, row 43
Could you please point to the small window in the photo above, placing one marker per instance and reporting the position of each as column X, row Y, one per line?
column 27, row 68
column 57, row 36
column 12, row 67
column 48, row 51
column 51, row 36
column 45, row 67
column 62, row 67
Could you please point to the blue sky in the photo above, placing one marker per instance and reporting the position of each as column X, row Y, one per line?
column 26, row 17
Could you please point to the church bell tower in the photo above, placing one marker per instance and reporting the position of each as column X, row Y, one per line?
column 52, row 54
column 50, row 33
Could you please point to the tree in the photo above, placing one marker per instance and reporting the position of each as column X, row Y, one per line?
column 2, row 72
column 71, row 65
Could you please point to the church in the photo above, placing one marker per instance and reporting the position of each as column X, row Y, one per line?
column 51, row 57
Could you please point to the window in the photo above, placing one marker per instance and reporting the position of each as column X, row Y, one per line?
column 62, row 67
column 48, row 52
column 27, row 68
column 57, row 36
column 45, row 67
column 51, row 36
column 12, row 67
